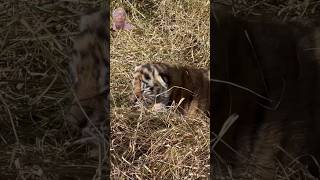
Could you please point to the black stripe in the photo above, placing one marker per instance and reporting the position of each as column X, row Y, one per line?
column 144, row 81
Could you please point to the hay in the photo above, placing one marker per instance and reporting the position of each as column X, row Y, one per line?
column 35, row 40
column 147, row 145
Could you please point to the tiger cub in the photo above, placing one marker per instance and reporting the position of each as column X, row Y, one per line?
column 160, row 85
column 274, row 132
column 89, row 69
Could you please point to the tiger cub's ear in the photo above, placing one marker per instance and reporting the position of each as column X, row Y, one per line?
column 162, row 78
column 165, row 78
column 137, row 67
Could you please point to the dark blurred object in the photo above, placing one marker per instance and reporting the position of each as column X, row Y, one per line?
column 279, row 62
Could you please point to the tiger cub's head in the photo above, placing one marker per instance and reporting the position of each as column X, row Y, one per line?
column 150, row 85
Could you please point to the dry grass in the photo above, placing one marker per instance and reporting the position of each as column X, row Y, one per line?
column 146, row 145
column 35, row 39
